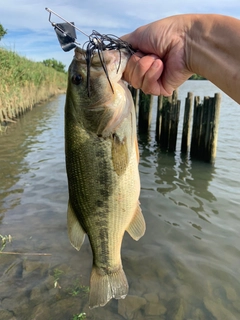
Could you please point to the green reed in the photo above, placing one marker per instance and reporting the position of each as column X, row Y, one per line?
column 25, row 83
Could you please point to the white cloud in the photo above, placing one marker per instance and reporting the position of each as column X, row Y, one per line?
column 30, row 33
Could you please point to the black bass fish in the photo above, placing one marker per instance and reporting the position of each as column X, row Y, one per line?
column 102, row 167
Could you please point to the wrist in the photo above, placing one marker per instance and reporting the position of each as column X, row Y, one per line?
column 212, row 50
column 194, row 43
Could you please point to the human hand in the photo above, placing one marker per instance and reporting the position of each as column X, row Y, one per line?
column 160, row 65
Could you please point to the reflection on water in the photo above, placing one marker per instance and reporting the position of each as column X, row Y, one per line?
column 185, row 267
column 20, row 140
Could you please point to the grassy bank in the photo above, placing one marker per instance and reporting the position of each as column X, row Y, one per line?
column 23, row 83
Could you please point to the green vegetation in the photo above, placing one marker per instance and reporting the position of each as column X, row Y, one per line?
column 57, row 274
column 75, row 289
column 25, row 83
column 79, row 289
column 3, row 32
column 80, row 316
column 53, row 63
column 196, row 77
column 4, row 241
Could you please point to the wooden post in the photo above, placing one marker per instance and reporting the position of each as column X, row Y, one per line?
column 169, row 122
column 204, row 127
column 159, row 117
column 186, row 133
column 212, row 128
column 166, row 110
column 196, row 127
column 145, row 112
column 174, row 119
column 135, row 93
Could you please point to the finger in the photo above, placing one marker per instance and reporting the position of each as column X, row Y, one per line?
column 150, row 84
column 128, row 73
column 139, row 69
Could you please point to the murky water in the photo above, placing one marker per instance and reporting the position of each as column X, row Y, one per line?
column 185, row 267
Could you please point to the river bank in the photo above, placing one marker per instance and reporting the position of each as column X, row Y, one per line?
column 25, row 83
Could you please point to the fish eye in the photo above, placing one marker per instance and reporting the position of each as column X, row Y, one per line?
column 77, row 79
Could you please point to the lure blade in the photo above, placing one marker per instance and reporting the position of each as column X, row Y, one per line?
column 66, row 35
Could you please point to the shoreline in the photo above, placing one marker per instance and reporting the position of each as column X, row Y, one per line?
column 24, row 84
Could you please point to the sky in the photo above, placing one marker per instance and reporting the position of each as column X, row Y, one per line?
column 30, row 34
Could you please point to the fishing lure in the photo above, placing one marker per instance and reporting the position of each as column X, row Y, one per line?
column 97, row 42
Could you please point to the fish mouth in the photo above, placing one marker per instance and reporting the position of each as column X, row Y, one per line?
column 109, row 60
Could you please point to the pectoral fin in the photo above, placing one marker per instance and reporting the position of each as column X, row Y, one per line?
column 137, row 226
column 120, row 155
column 76, row 233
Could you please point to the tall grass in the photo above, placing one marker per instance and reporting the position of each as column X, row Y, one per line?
column 23, row 83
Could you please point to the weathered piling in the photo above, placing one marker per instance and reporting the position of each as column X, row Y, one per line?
column 169, row 118
column 159, row 117
column 144, row 112
column 174, row 118
column 201, row 140
column 186, row 132
column 135, row 95
column 203, row 136
column 212, row 128
column 196, row 126
column 205, row 128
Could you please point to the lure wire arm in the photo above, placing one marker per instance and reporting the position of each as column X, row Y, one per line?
column 53, row 24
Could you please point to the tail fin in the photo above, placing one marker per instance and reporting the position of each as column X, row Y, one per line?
column 104, row 287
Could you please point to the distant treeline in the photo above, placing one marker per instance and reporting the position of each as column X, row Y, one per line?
column 25, row 83
column 3, row 32
column 196, row 77
column 53, row 63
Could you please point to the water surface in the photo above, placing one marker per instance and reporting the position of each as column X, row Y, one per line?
column 185, row 267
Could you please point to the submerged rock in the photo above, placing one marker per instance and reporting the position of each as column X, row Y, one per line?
column 6, row 315
column 14, row 270
column 236, row 305
column 38, row 267
column 154, row 309
column 231, row 294
column 102, row 314
column 218, row 310
column 151, row 297
column 198, row 314
column 62, row 309
column 176, row 309
column 7, row 303
column 129, row 307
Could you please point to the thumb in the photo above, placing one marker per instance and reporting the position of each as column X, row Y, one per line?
column 131, row 39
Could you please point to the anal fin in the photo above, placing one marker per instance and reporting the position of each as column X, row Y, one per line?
column 76, row 233
column 137, row 226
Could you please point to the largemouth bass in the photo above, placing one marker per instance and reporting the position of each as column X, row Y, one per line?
column 102, row 168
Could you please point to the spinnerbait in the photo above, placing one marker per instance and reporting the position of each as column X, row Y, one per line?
column 66, row 33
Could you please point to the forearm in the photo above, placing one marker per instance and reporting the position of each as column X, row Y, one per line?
column 212, row 49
